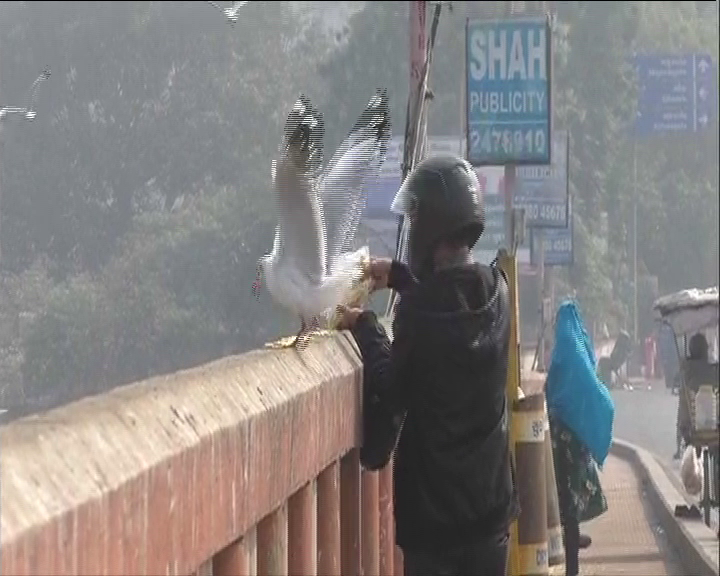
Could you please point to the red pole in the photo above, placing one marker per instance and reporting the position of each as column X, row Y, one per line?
column 418, row 44
column 370, row 523
column 418, row 52
column 238, row 559
column 302, row 531
column 418, row 56
column 350, row 514
column 328, row 521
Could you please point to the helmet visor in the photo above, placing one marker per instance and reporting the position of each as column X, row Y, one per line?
column 403, row 201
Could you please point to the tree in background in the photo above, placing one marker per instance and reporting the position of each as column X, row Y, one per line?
column 151, row 107
column 146, row 178
column 148, row 102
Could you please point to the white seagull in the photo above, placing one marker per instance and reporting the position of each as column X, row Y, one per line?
column 312, row 268
column 231, row 13
column 29, row 110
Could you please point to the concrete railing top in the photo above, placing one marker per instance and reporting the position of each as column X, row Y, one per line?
column 157, row 476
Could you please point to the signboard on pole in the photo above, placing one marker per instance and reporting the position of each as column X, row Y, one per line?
column 508, row 92
column 558, row 245
column 381, row 194
column 543, row 190
column 492, row 185
column 676, row 93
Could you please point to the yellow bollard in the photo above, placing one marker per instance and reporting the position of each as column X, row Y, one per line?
column 508, row 263
column 529, row 420
column 556, row 550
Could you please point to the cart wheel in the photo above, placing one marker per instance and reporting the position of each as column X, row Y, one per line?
column 706, row 499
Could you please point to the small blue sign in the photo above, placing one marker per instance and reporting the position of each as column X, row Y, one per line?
column 558, row 245
column 508, row 92
column 381, row 192
column 676, row 93
column 494, row 235
column 492, row 186
column 543, row 190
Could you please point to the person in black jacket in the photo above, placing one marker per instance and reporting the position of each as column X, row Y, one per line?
column 440, row 385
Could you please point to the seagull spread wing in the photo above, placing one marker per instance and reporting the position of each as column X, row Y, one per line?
column 236, row 7
column 354, row 167
column 216, row 5
column 230, row 13
column 30, row 109
column 300, row 234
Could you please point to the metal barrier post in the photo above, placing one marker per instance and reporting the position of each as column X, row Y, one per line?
column 508, row 263
column 532, row 535
column 556, row 550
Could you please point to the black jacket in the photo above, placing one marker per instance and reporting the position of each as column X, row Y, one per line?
column 445, row 374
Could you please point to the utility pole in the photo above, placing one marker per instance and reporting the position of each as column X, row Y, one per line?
column 418, row 57
column 539, row 239
column 415, row 129
column 1, row 163
column 391, row 562
column 539, row 233
column 636, row 336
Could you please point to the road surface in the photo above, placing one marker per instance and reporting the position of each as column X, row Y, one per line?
column 645, row 416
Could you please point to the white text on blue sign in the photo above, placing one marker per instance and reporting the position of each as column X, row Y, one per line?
column 508, row 106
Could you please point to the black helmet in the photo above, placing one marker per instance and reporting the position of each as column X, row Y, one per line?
column 443, row 199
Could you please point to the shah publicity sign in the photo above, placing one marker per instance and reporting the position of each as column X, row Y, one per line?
column 543, row 190
column 508, row 115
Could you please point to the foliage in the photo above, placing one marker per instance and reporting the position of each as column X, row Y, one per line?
column 152, row 107
column 176, row 295
column 145, row 99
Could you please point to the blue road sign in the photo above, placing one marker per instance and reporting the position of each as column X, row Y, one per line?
column 676, row 93
column 508, row 92
column 543, row 190
column 494, row 235
column 559, row 249
column 380, row 194
column 492, row 185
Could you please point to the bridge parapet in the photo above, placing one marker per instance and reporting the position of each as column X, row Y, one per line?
column 244, row 465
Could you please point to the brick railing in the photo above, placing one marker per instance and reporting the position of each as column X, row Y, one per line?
column 247, row 465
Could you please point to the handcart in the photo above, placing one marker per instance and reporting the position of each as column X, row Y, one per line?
column 687, row 313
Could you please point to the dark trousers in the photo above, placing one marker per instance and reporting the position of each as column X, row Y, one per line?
column 486, row 557
column 571, row 538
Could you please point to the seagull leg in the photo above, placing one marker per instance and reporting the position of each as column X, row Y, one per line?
column 290, row 341
column 317, row 330
column 300, row 338
column 310, row 330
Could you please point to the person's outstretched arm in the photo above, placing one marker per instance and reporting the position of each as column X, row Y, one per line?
column 387, row 370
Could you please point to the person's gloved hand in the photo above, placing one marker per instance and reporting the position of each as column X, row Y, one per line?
column 347, row 317
column 380, row 271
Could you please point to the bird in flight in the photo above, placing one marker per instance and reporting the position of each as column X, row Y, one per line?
column 231, row 13
column 29, row 110
column 313, row 266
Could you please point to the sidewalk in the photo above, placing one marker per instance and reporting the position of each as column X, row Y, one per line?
column 626, row 539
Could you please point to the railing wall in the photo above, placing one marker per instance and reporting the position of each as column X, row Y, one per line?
column 248, row 465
